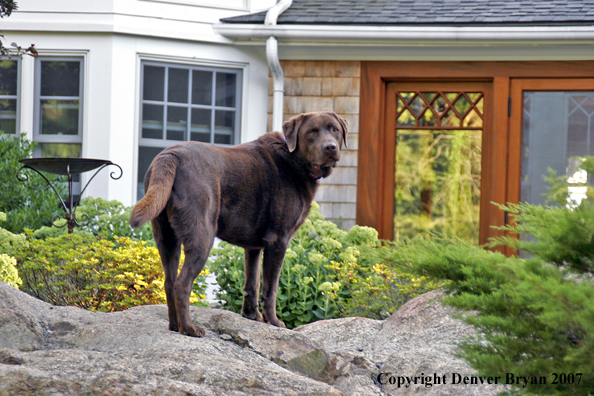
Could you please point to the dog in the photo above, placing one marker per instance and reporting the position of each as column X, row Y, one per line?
column 255, row 195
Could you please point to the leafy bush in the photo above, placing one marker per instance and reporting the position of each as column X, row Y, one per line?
column 92, row 273
column 30, row 204
column 324, row 275
column 8, row 271
column 109, row 219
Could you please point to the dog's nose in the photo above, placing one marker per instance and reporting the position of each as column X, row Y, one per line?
column 330, row 148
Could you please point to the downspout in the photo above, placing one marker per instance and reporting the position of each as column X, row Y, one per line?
column 278, row 77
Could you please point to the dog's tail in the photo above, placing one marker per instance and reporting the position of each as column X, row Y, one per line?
column 163, row 171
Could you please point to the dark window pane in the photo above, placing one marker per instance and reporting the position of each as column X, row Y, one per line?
column 177, row 122
column 145, row 157
column 224, row 127
column 8, row 115
column 201, row 87
column 153, row 83
column 8, row 77
column 152, row 121
column 200, row 128
column 225, row 91
column 178, row 85
column 59, row 78
column 59, row 117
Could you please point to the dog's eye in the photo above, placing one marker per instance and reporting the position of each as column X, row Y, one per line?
column 335, row 130
column 312, row 132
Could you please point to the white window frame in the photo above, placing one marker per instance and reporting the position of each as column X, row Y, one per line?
column 37, row 136
column 148, row 142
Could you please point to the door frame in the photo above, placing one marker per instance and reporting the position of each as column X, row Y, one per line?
column 388, row 137
column 497, row 174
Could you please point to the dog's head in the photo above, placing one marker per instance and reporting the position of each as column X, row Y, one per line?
column 316, row 138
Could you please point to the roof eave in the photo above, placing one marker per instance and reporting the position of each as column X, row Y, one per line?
column 359, row 34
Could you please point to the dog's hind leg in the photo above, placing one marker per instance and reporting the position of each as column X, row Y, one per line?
column 196, row 256
column 169, row 249
column 251, row 287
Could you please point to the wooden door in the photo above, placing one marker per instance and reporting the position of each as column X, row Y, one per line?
column 435, row 145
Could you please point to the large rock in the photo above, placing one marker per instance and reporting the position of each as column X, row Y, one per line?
column 46, row 349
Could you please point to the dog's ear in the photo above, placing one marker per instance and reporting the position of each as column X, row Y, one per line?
column 291, row 131
column 345, row 128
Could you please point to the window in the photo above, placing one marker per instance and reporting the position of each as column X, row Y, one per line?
column 186, row 103
column 8, row 95
column 58, row 107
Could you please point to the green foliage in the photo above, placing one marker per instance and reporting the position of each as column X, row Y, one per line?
column 324, row 275
column 562, row 234
column 108, row 219
column 8, row 241
column 92, row 273
column 30, row 204
column 532, row 320
column 535, row 316
column 8, row 271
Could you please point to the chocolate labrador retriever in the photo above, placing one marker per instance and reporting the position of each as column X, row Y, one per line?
column 255, row 195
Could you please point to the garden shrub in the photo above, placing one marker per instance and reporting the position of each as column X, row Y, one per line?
column 30, row 204
column 109, row 219
column 8, row 240
column 535, row 316
column 8, row 271
column 324, row 275
column 93, row 273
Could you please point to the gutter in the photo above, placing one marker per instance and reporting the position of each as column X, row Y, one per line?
column 278, row 77
column 377, row 34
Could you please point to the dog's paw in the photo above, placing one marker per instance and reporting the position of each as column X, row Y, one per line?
column 277, row 323
column 256, row 315
column 194, row 331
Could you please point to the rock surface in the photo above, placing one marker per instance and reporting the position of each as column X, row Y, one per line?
column 53, row 350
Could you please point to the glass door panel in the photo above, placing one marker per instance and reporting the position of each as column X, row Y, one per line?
column 557, row 131
column 437, row 142
column 552, row 127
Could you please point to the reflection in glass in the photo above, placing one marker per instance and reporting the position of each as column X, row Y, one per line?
column 557, row 131
column 8, row 115
column 59, row 117
column 224, row 127
column 200, row 128
column 152, row 121
column 177, row 123
column 437, row 183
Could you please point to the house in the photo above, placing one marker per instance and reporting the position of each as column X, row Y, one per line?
column 453, row 104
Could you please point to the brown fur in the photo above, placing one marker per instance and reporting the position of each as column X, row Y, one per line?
column 255, row 195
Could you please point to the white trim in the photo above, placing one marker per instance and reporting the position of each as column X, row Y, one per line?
column 202, row 4
column 353, row 34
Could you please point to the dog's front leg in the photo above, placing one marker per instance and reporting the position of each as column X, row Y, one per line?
column 274, row 255
column 251, row 287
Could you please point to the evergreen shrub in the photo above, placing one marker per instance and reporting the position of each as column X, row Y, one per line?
column 534, row 316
